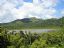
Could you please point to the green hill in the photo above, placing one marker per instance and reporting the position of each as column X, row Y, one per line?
column 34, row 23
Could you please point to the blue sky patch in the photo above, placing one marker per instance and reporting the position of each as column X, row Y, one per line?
column 60, row 5
column 28, row 1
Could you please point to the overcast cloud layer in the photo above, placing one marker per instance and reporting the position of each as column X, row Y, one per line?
column 17, row 9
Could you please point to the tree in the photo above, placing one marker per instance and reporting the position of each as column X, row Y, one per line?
column 3, row 38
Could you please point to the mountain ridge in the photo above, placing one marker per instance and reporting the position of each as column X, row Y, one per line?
column 34, row 23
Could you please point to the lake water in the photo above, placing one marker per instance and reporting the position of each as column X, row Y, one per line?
column 38, row 30
column 33, row 30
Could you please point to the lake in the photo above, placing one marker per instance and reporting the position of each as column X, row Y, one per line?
column 33, row 30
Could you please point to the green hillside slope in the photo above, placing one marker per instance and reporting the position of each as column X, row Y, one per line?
column 34, row 23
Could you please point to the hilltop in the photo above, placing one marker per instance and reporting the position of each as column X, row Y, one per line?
column 34, row 23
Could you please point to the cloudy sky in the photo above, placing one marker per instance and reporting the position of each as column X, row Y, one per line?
column 18, row 9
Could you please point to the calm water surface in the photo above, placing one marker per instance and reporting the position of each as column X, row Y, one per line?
column 34, row 30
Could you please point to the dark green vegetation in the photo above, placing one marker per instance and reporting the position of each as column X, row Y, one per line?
column 31, row 40
column 34, row 23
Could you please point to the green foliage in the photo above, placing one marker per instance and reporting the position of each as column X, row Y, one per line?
column 34, row 23
column 4, row 42
column 39, row 44
column 33, row 40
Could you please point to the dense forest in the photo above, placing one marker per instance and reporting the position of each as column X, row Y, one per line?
column 34, row 23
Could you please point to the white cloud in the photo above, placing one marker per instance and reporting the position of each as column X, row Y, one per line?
column 39, row 8
column 30, row 8
column 45, row 3
column 62, row 13
column 23, row 11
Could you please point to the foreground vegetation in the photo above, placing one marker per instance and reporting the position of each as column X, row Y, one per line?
column 31, row 40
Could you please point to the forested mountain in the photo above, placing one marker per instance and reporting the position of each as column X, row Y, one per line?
column 34, row 23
